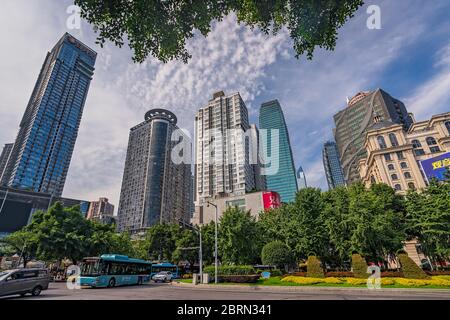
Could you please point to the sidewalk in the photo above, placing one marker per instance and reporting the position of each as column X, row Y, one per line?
column 237, row 287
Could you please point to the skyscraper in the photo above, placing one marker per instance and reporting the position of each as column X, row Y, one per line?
column 332, row 165
column 4, row 156
column 301, row 179
column 43, row 148
column 99, row 208
column 284, row 182
column 352, row 123
column 223, row 164
column 155, row 187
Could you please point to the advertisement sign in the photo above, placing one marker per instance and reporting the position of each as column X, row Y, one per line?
column 436, row 167
column 271, row 200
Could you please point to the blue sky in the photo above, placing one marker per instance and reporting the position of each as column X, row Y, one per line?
column 409, row 58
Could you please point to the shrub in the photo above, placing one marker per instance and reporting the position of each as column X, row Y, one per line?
column 314, row 269
column 356, row 281
column 438, row 273
column 299, row 274
column 339, row 274
column 276, row 253
column 239, row 278
column 230, row 270
column 410, row 269
column 302, row 280
column 359, row 266
column 391, row 274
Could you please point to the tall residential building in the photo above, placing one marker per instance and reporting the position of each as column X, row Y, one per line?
column 223, row 164
column 398, row 158
column 301, row 179
column 257, row 161
column 352, row 123
column 156, row 186
column 100, row 208
column 284, row 182
column 332, row 165
column 43, row 148
column 4, row 156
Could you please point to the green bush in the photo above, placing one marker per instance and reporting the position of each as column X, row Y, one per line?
column 359, row 266
column 314, row 269
column 276, row 253
column 410, row 269
column 230, row 270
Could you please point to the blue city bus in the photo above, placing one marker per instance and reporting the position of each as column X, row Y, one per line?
column 165, row 266
column 112, row 270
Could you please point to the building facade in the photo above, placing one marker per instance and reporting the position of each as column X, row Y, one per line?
column 284, row 182
column 255, row 202
column 332, row 165
column 223, row 152
column 4, row 157
column 100, row 208
column 18, row 206
column 352, row 124
column 301, row 179
column 394, row 156
column 43, row 148
column 155, row 188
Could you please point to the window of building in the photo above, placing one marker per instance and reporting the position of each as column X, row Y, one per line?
column 393, row 139
column 447, row 124
column 400, row 155
column 412, row 186
column 416, row 144
column 407, row 175
column 394, row 177
column 391, row 167
column 419, row 152
column 403, row 165
column 431, row 141
column 388, row 157
column 435, row 149
column 381, row 142
column 398, row 187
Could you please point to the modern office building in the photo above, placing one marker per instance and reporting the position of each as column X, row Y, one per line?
column 4, row 156
column 223, row 149
column 301, row 179
column 155, row 187
column 43, row 148
column 256, row 159
column 100, row 208
column 332, row 165
column 284, row 182
column 17, row 207
column 353, row 121
column 398, row 158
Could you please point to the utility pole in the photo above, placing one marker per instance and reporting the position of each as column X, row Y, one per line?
column 215, row 244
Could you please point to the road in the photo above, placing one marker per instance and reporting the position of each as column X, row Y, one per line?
column 58, row 291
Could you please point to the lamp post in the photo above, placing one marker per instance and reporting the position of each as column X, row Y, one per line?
column 199, row 231
column 215, row 244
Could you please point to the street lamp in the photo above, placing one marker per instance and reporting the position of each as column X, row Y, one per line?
column 199, row 231
column 216, row 251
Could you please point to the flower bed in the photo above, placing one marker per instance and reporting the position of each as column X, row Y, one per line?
column 438, row 281
column 239, row 278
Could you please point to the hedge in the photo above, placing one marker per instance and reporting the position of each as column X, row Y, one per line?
column 440, row 281
column 359, row 266
column 314, row 269
column 230, row 270
column 410, row 269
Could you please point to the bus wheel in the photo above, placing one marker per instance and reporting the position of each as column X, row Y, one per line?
column 112, row 283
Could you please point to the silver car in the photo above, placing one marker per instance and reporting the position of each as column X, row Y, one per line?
column 163, row 276
column 23, row 281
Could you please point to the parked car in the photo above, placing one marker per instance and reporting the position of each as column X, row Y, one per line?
column 23, row 281
column 163, row 276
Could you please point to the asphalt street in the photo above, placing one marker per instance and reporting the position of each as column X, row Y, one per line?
column 59, row 291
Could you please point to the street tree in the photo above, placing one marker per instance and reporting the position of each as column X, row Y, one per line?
column 162, row 28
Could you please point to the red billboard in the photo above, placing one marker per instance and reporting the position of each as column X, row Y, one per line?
column 271, row 200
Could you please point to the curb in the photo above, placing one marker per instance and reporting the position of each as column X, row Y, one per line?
column 306, row 288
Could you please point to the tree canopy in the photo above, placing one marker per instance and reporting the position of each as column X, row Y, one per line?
column 162, row 28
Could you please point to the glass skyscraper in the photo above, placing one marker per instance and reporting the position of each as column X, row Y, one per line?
column 43, row 148
column 285, row 181
column 332, row 165
column 301, row 179
column 155, row 187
